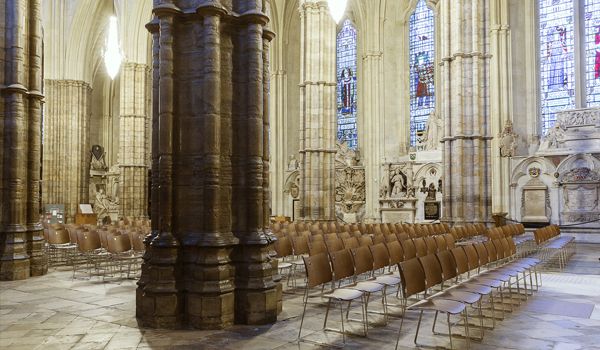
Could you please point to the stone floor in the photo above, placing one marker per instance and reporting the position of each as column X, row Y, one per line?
column 57, row 312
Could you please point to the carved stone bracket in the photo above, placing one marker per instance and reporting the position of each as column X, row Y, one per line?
column 508, row 140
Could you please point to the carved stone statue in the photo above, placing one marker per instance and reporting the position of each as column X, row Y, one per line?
column 554, row 134
column 431, row 192
column 104, row 205
column 345, row 156
column 293, row 164
column 433, row 132
column 97, row 162
column 398, row 183
column 508, row 140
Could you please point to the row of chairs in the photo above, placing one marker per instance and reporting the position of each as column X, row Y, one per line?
column 553, row 246
column 103, row 248
column 420, row 230
column 319, row 272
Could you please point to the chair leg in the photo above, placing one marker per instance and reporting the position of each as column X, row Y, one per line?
column 399, row 331
column 304, row 313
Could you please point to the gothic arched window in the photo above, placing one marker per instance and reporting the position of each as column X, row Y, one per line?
column 346, row 85
column 561, row 57
column 422, row 91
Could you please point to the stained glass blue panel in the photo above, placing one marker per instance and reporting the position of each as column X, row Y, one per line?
column 346, row 85
column 422, row 91
column 592, row 50
column 556, row 59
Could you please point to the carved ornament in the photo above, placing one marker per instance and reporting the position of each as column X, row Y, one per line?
column 508, row 140
column 581, row 175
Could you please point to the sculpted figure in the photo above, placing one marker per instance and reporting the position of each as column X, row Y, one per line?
column 433, row 132
column 398, row 183
column 551, row 139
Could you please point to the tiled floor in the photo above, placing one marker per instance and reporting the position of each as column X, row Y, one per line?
column 57, row 312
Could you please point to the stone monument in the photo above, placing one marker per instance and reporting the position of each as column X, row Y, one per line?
column 535, row 204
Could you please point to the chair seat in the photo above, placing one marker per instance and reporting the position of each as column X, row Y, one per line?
column 368, row 287
column 284, row 265
column 343, row 294
column 463, row 297
column 449, row 306
column 387, row 280
column 498, row 275
column 484, row 281
column 473, row 288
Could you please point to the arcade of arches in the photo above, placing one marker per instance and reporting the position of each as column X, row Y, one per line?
column 225, row 114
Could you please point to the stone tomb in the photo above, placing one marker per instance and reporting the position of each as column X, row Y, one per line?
column 580, row 196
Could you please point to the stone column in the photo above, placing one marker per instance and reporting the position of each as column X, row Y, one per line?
column 317, row 111
column 21, row 242
column 133, row 140
column 209, row 264
column 465, row 69
column 501, row 103
column 67, row 144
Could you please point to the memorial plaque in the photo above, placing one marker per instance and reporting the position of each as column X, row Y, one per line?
column 432, row 210
column 55, row 213
column 535, row 203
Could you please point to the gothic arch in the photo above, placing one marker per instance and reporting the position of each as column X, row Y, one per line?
column 568, row 163
column 521, row 169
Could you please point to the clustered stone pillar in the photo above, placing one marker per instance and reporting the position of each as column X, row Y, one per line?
column 21, row 237
column 317, row 111
column 67, row 144
column 465, row 68
column 208, row 258
column 133, row 140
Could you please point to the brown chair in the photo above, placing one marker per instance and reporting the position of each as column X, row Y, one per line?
column 362, row 227
column 413, row 282
column 333, row 245
column 120, row 254
column 365, row 240
column 378, row 239
column 402, row 236
column 330, row 236
column 377, row 231
column 408, row 247
column 316, row 238
column 318, row 272
column 441, row 243
column 350, row 243
column 344, row 235
column 315, row 248
column 390, row 238
column 420, row 246
column 283, row 249
column 432, row 247
column 381, row 260
column 411, row 232
column 356, row 234
column 450, row 241
column 60, row 247
column 89, row 245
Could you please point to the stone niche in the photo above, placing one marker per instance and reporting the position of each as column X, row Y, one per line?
column 580, row 196
column 535, row 201
column 397, row 193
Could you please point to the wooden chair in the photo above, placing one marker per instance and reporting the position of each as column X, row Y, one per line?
column 402, row 236
column 120, row 254
column 365, row 241
column 390, row 238
column 408, row 247
column 350, row 243
column 334, row 245
column 441, row 243
column 432, row 246
column 420, row 246
column 413, row 282
column 318, row 272
column 378, row 239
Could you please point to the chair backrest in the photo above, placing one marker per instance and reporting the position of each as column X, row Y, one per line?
column 333, row 227
column 433, row 270
column 88, row 241
column 329, row 236
column 344, row 235
column 363, row 261
column 447, row 263
column 408, row 247
column 512, row 245
column 446, row 227
column 395, row 252
column 356, row 234
column 333, row 245
column 472, row 257
column 138, row 242
column 390, row 238
column 354, row 227
column 418, row 231
column 381, row 257
column 506, row 247
column 377, row 230
column 482, row 253
column 300, row 245
column 432, row 247
column 412, row 277
column 315, row 238
column 118, row 244
column 318, row 270
column 365, row 241
column 342, row 263
column 499, row 248
column 345, row 228
column 317, row 247
column 399, row 228
column 454, row 233
column 472, row 231
column 402, row 236
column 450, row 242
column 384, row 229
column 362, row 227
column 441, row 243
column 411, row 232
column 491, row 249
column 507, row 230
column 304, row 233
column 351, row 243
column 59, row 237
column 378, row 239
column 392, row 228
column 420, row 246
column 462, row 264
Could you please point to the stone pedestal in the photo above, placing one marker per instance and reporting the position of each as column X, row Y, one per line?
column 209, row 265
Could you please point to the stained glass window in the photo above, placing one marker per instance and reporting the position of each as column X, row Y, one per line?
column 557, row 60
column 422, row 91
column 346, row 85
column 592, row 48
